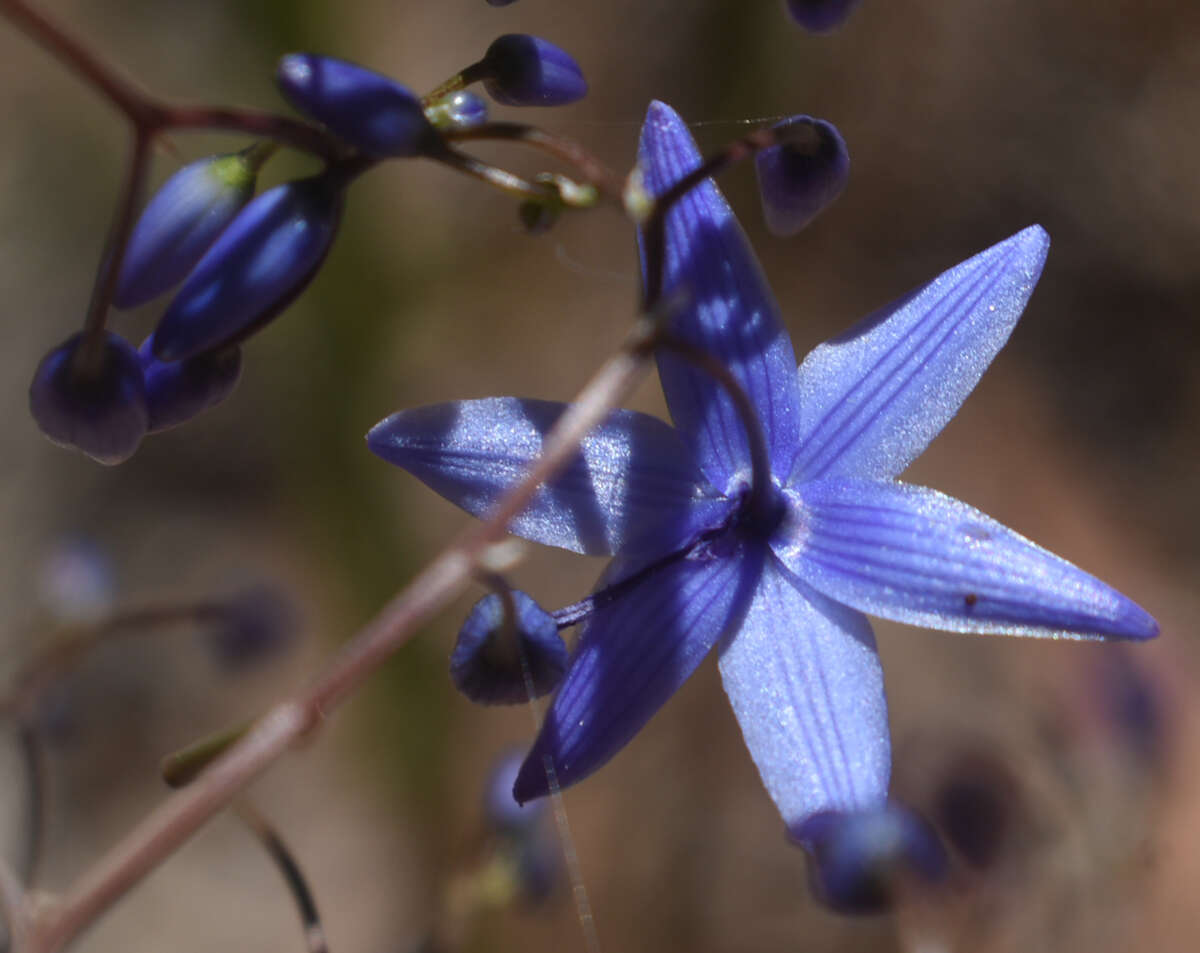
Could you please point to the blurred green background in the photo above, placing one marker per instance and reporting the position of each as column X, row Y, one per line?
column 966, row 121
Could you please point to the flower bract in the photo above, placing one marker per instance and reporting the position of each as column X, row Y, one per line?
column 782, row 599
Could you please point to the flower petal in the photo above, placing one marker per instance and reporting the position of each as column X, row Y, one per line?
column 729, row 312
column 917, row 556
column 873, row 398
column 806, row 685
column 632, row 657
column 633, row 486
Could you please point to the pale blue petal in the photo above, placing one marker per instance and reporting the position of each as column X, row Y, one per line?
column 806, row 685
column 632, row 657
column 917, row 556
column 729, row 312
column 873, row 398
column 633, row 487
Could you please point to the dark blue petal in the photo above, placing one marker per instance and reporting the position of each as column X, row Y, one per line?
column 729, row 313
column 873, row 398
column 528, row 71
column 800, row 177
column 861, row 859
column 821, row 16
column 179, row 224
column 489, row 664
column 370, row 111
column 102, row 413
column 805, row 682
column 631, row 657
column 254, row 270
column 632, row 488
column 177, row 391
column 917, row 556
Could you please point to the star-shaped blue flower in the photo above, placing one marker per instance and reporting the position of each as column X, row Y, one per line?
column 782, row 595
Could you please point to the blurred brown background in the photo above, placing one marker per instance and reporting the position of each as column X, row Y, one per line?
column 966, row 121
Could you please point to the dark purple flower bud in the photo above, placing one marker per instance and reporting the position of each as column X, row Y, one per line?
column 255, row 269
column 251, row 626
column 977, row 805
column 181, row 222
column 799, row 177
column 460, row 110
column 486, row 662
column 523, row 70
column 500, row 808
column 858, row 859
column 177, row 391
column 372, row 112
column 821, row 16
column 500, row 3
column 101, row 409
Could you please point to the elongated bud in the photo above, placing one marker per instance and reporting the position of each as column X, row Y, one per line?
column 101, row 411
column 821, row 16
column 370, row 111
column 858, row 860
column 177, row 391
column 254, row 270
column 182, row 221
column 486, row 664
column 523, row 70
column 802, row 175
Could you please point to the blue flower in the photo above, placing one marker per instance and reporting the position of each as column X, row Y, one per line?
column 778, row 586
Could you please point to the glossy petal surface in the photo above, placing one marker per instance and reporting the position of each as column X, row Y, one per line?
column 805, row 683
column 871, row 399
column 180, row 223
column 730, row 313
column 254, row 270
column 104, row 414
column 529, row 71
column 370, row 111
column 918, row 556
column 800, row 178
column 632, row 486
column 631, row 658
column 177, row 391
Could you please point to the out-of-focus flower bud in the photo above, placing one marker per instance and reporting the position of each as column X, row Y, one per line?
column 181, row 222
column 253, row 625
column 370, row 111
column 523, row 70
column 258, row 266
column 101, row 410
column 75, row 581
column 802, row 175
column 486, row 662
column 500, row 808
column 500, row 3
column 859, row 859
column 977, row 805
column 460, row 110
column 177, row 391
column 821, row 16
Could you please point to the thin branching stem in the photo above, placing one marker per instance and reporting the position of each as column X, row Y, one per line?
column 446, row 576
column 590, row 169
column 33, row 757
column 293, row 876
